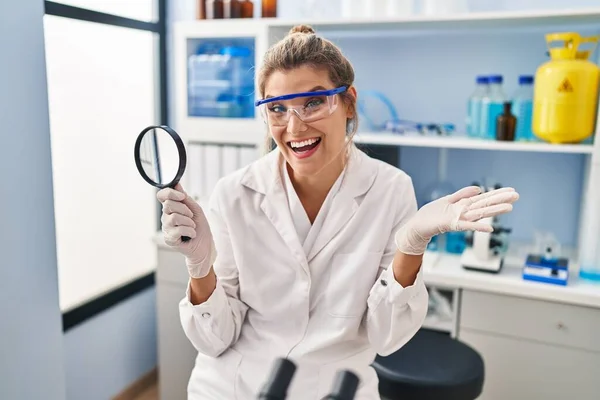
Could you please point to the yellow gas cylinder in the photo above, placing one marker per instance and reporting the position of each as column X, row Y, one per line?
column 565, row 97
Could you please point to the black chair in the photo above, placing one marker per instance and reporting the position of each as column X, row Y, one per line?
column 431, row 366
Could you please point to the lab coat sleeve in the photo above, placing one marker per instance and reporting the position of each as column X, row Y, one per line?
column 215, row 325
column 395, row 313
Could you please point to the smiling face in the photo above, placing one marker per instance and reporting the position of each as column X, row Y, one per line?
column 309, row 147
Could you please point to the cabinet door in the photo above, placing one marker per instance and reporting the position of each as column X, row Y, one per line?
column 176, row 355
column 518, row 369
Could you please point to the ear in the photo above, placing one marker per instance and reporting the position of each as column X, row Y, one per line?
column 352, row 92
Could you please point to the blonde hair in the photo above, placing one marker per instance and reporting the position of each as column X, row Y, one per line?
column 302, row 47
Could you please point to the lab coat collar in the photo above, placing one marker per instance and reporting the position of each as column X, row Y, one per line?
column 263, row 176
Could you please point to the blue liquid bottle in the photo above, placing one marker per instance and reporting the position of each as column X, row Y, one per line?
column 522, row 108
column 492, row 106
column 474, row 107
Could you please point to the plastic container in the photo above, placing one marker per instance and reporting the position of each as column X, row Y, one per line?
column 474, row 106
column 221, row 84
column 522, row 108
column 566, row 90
column 455, row 242
column 492, row 106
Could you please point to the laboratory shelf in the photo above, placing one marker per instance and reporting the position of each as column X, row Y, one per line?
column 533, row 19
column 232, row 131
column 461, row 142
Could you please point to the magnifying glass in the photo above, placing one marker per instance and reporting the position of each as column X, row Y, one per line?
column 160, row 157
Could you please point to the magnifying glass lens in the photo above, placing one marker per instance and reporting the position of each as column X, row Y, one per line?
column 160, row 157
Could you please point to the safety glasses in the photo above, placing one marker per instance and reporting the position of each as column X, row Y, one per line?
column 315, row 106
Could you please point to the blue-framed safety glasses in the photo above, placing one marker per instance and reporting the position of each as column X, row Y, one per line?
column 309, row 106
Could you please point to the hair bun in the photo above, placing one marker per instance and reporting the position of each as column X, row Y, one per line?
column 307, row 29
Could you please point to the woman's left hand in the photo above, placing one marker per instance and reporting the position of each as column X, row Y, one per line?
column 460, row 211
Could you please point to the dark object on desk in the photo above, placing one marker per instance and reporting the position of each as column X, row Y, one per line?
column 431, row 366
column 506, row 124
column 279, row 380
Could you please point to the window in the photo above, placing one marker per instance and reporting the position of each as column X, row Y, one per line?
column 104, row 87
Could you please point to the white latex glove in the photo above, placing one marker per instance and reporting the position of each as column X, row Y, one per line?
column 459, row 211
column 182, row 216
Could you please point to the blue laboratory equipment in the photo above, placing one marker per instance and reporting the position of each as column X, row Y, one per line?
column 455, row 242
column 492, row 105
column 545, row 264
column 522, row 109
column 474, row 106
column 376, row 110
column 546, row 268
column 221, row 80
column 433, row 192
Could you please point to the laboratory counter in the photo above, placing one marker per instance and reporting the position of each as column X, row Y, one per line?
column 445, row 270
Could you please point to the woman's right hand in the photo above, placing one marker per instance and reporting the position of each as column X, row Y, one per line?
column 182, row 216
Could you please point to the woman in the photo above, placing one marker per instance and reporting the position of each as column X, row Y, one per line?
column 313, row 252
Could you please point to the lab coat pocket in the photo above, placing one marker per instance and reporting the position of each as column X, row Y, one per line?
column 350, row 281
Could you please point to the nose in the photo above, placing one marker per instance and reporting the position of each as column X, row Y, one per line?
column 295, row 124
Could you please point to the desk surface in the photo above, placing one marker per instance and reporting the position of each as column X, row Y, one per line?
column 445, row 270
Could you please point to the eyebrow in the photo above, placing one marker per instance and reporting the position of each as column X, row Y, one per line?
column 314, row 89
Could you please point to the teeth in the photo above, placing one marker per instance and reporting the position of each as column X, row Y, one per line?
column 303, row 143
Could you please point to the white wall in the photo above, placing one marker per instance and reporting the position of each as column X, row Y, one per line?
column 31, row 345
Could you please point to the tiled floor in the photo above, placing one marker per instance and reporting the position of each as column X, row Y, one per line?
column 149, row 394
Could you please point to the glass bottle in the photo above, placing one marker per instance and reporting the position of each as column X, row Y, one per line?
column 247, row 7
column 235, row 9
column 242, row 9
column 491, row 107
column 269, row 8
column 215, row 9
column 523, row 108
column 474, row 106
column 201, row 14
column 505, row 124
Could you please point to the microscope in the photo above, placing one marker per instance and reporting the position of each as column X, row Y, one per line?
column 485, row 251
column 276, row 386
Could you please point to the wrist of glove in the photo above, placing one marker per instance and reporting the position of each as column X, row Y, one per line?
column 199, row 268
column 460, row 211
column 182, row 216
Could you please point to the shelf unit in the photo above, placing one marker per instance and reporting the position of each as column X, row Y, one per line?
column 463, row 142
column 266, row 32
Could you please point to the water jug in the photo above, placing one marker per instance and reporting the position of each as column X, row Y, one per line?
column 566, row 91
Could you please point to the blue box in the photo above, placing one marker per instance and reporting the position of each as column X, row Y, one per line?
column 540, row 269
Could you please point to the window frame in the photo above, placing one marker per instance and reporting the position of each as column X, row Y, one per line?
column 93, row 307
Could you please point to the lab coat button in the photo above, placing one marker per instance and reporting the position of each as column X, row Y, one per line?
column 383, row 282
column 206, row 315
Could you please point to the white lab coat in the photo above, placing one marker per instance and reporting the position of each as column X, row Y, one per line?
column 329, row 308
